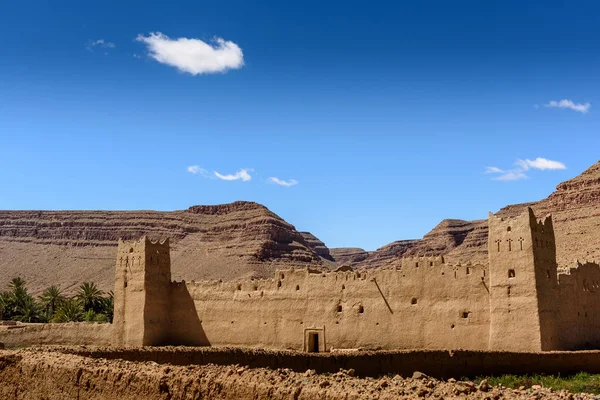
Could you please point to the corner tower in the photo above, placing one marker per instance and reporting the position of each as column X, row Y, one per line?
column 142, row 279
column 523, row 283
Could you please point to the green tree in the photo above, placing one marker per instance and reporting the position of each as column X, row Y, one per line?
column 16, row 284
column 17, row 295
column 51, row 299
column 6, row 299
column 90, row 297
column 2, row 305
column 69, row 311
column 29, row 310
column 21, row 305
column 108, row 306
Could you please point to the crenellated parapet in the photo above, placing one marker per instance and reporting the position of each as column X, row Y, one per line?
column 585, row 277
column 422, row 261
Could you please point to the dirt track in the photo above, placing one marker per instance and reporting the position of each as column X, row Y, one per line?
column 50, row 374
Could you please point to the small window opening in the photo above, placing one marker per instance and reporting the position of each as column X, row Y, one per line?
column 508, row 229
column 239, row 287
column 465, row 314
column 452, row 326
column 431, row 263
column 508, row 290
column 131, row 250
column 297, row 287
column 278, row 284
column 255, row 287
column 413, row 301
column 343, row 287
column 417, row 264
column 468, row 271
column 548, row 273
column 282, row 276
column 511, row 273
column 125, row 284
column 339, row 308
column 361, row 309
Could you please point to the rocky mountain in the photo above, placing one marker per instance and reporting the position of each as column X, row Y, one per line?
column 351, row 256
column 317, row 246
column 575, row 209
column 231, row 241
column 243, row 239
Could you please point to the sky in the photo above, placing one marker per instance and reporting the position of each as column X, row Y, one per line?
column 361, row 122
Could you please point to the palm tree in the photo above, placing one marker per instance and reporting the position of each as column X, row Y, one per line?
column 6, row 304
column 69, row 311
column 19, row 298
column 29, row 311
column 16, row 284
column 108, row 306
column 2, row 306
column 51, row 298
column 90, row 297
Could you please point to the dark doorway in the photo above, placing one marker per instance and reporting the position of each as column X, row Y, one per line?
column 313, row 342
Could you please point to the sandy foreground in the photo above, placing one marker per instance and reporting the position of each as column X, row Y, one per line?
column 51, row 374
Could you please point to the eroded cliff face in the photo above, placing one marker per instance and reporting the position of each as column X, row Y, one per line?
column 240, row 240
column 317, row 245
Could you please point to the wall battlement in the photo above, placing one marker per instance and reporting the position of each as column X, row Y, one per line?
column 518, row 301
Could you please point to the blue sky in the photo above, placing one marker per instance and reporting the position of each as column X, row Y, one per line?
column 385, row 116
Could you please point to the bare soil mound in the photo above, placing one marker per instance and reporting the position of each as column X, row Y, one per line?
column 38, row 374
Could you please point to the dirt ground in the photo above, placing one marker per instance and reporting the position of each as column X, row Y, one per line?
column 51, row 374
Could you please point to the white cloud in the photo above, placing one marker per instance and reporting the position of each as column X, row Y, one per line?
column 193, row 55
column 493, row 170
column 511, row 175
column 242, row 174
column 583, row 108
column 101, row 43
column 282, row 182
column 522, row 166
column 195, row 169
column 540, row 163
